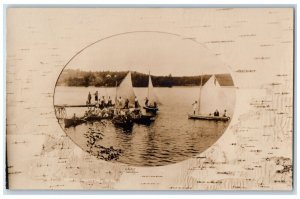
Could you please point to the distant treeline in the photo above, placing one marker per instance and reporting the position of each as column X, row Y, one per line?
column 70, row 77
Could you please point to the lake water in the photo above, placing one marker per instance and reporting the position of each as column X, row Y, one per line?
column 171, row 138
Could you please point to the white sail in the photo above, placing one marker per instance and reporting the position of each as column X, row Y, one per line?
column 125, row 90
column 213, row 97
column 151, row 94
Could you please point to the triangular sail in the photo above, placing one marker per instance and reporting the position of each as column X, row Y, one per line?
column 213, row 97
column 125, row 89
column 151, row 94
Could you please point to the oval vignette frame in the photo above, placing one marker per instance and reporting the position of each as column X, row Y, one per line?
column 159, row 32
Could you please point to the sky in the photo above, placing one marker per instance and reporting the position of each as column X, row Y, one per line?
column 160, row 53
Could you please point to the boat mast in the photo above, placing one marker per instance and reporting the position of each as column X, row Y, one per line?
column 200, row 94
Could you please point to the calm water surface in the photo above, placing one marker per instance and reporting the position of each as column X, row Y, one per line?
column 170, row 139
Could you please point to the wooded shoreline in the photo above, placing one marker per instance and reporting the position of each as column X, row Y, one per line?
column 78, row 78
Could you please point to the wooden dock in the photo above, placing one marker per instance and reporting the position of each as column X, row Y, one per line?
column 70, row 106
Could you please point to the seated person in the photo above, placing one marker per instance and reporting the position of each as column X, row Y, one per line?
column 216, row 113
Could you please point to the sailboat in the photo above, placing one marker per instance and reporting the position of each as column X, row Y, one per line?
column 214, row 95
column 152, row 99
column 123, row 92
column 127, row 116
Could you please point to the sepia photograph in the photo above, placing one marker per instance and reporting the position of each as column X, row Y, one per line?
column 150, row 98
column 133, row 109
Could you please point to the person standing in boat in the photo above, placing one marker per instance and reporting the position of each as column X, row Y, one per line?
column 120, row 102
column 216, row 113
column 96, row 96
column 225, row 113
column 195, row 106
column 89, row 98
column 109, row 102
column 126, row 106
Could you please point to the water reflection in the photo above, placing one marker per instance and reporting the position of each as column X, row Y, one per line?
column 143, row 145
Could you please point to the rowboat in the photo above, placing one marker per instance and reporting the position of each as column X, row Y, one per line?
column 123, row 121
column 144, row 119
column 208, row 117
column 88, row 118
column 73, row 122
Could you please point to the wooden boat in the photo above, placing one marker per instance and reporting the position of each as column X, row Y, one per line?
column 123, row 121
column 90, row 117
column 150, row 109
column 73, row 122
column 201, row 116
column 122, row 117
column 144, row 119
column 208, row 117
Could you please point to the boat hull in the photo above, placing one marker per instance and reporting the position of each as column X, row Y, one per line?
column 207, row 117
column 144, row 119
column 150, row 109
column 73, row 122
column 122, row 121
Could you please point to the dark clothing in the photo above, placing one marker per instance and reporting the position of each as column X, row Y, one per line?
column 216, row 113
column 102, row 103
column 96, row 96
column 126, row 104
column 146, row 102
column 136, row 104
column 89, row 98
column 109, row 103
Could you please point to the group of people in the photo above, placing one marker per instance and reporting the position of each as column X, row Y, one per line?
column 92, row 111
column 102, row 102
column 121, row 104
column 124, row 104
column 216, row 113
